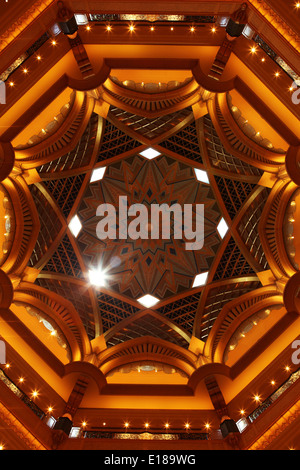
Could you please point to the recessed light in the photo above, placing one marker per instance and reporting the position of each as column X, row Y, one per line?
column 75, row 226
column 148, row 300
column 97, row 277
column 150, row 153
column 200, row 279
column 98, row 174
column 222, row 228
column 202, row 176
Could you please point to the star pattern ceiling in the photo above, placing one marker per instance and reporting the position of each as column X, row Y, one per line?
column 162, row 268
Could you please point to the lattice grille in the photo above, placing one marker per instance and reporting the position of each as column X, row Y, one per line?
column 50, row 225
column 64, row 260
column 78, row 296
column 234, row 193
column 115, row 142
column 182, row 312
column 147, row 326
column 185, row 143
column 232, row 263
column 248, row 228
column 113, row 310
column 65, row 191
column 220, row 158
column 217, row 298
column 80, row 156
column 150, row 128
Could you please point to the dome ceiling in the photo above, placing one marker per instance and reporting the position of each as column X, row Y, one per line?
column 203, row 122
column 162, row 268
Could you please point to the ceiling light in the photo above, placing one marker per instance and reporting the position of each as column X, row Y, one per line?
column 75, row 226
column 200, row 279
column 98, row 174
column 222, row 228
column 97, row 277
column 148, row 301
column 150, row 153
column 192, row 29
column 108, row 28
column 131, row 28
column 213, row 29
column 81, row 19
column 202, row 176
column 253, row 49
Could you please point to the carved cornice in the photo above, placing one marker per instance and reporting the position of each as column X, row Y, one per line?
column 23, row 22
column 277, row 22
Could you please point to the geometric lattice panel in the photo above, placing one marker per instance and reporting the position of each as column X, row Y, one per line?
column 115, row 142
column 234, row 193
column 150, row 128
column 232, row 263
column 65, row 191
column 220, row 158
column 50, row 225
column 113, row 310
column 148, row 325
column 182, row 311
column 185, row 143
column 64, row 260
column 248, row 228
